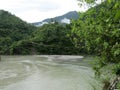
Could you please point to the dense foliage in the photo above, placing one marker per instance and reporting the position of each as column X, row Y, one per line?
column 98, row 31
column 48, row 39
column 17, row 37
column 12, row 30
column 52, row 39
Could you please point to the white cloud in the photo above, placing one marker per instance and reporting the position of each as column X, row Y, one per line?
column 65, row 20
column 37, row 10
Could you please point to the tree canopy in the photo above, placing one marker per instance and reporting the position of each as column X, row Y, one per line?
column 98, row 31
column 12, row 29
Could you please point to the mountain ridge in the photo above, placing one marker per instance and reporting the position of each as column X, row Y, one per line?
column 61, row 19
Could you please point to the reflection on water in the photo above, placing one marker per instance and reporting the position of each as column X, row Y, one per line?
column 47, row 73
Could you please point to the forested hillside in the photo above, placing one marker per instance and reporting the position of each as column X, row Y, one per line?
column 12, row 30
column 51, row 38
column 18, row 37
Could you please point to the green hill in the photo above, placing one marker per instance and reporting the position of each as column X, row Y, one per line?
column 17, row 37
column 12, row 29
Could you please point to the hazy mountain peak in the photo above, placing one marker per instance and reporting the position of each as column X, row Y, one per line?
column 61, row 19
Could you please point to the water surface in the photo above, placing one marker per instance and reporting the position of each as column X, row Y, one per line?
column 47, row 73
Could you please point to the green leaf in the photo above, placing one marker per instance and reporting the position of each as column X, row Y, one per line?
column 109, row 1
column 106, row 45
column 117, row 15
column 117, row 52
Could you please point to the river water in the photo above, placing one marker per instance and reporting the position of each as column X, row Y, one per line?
column 47, row 72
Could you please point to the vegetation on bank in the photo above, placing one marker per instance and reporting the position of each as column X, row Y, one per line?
column 97, row 32
column 18, row 37
column 51, row 38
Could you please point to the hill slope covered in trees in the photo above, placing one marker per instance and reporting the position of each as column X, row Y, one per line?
column 12, row 30
column 18, row 37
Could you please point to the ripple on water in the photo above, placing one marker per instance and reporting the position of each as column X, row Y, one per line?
column 46, row 75
column 7, row 74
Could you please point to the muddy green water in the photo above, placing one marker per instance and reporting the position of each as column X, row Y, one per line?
column 47, row 73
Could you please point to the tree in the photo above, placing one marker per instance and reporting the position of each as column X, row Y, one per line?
column 12, row 29
column 52, row 39
column 98, row 30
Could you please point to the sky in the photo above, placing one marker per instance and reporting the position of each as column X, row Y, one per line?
column 38, row 10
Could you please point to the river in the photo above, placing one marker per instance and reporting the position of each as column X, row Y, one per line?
column 47, row 72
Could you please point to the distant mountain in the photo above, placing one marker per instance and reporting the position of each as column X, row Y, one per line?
column 61, row 19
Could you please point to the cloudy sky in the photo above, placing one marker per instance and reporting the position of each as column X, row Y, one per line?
column 37, row 10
